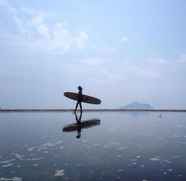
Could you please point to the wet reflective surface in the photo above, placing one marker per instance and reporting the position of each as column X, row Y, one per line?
column 121, row 146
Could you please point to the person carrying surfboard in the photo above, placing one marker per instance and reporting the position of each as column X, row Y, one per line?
column 80, row 97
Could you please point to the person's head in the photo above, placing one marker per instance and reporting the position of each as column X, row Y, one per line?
column 80, row 88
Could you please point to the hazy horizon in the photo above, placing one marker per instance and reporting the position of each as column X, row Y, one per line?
column 119, row 51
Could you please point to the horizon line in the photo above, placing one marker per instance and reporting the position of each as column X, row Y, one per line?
column 88, row 110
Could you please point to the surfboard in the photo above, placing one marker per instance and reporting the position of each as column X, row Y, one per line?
column 82, row 125
column 85, row 98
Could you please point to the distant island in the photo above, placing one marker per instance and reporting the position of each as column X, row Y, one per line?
column 137, row 105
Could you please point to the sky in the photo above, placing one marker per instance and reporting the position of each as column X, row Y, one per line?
column 119, row 51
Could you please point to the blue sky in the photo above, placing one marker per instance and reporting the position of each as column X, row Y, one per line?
column 120, row 51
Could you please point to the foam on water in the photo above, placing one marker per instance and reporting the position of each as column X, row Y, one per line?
column 7, row 161
column 59, row 173
column 11, row 179
column 7, row 165
column 155, row 158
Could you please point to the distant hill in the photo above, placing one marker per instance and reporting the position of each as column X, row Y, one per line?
column 137, row 105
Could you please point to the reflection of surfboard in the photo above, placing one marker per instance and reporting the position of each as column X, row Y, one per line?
column 82, row 125
column 85, row 98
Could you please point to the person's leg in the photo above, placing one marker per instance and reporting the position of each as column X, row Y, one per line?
column 75, row 113
column 80, row 105
column 76, row 107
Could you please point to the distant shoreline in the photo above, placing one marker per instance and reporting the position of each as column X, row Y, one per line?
column 93, row 110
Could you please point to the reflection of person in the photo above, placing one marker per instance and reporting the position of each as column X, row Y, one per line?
column 78, row 120
column 80, row 94
column 79, row 132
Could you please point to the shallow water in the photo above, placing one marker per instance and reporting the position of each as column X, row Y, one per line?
column 124, row 146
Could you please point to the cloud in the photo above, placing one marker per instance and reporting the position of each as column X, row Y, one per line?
column 81, row 39
column 182, row 59
column 124, row 39
column 36, row 32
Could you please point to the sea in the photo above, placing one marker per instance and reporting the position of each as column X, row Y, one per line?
column 131, row 146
